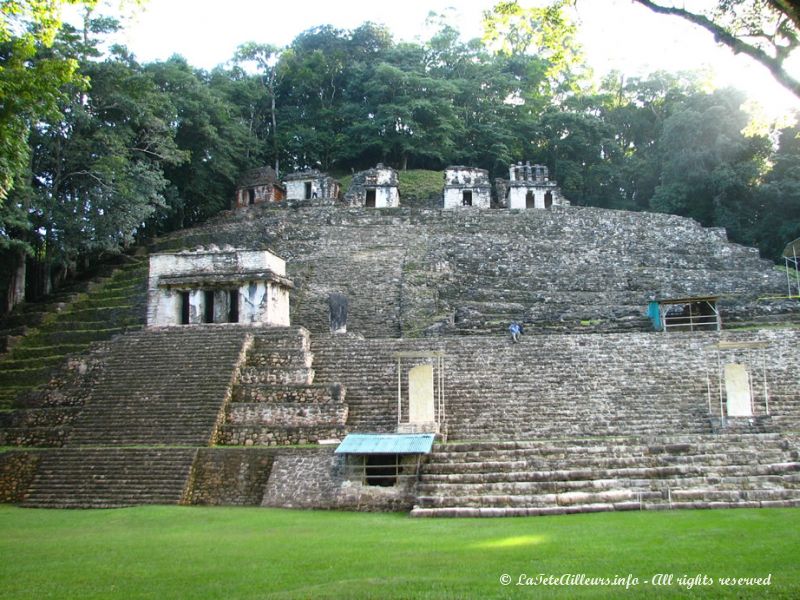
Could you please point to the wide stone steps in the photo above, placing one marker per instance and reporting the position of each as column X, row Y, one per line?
column 110, row 477
column 541, row 477
column 162, row 387
column 558, row 385
column 405, row 269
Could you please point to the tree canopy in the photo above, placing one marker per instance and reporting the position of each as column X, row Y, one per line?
column 767, row 31
column 105, row 151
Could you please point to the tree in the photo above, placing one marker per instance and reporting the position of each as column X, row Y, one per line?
column 546, row 33
column 213, row 137
column 708, row 167
column 29, row 89
column 767, row 31
column 266, row 58
column 97, row 170
column 778, row 197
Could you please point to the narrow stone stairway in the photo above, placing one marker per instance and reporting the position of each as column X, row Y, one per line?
column 274, row 400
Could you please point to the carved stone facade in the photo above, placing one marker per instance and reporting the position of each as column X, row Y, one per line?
column 529, row 186
column 467, row 187
column 259, row 186
column 374, row 188
column 313, row 186
column 218, row 286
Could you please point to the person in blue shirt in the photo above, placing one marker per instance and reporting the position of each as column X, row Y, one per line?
column 515, row 330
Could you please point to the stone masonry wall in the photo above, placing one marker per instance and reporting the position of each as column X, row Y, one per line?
column 564, row 385
column 432, row 272
column 230, row 476
column 17, row 470
column 315, row 478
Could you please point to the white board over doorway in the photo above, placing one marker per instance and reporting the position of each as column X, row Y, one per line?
column 420, row 394
column 737, row 388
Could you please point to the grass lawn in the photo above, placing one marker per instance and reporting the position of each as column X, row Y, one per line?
column 190, row 552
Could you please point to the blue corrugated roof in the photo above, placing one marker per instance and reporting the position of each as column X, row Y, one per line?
column 386, row 443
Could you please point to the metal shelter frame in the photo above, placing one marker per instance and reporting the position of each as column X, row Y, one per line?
column 693, row 321
column 437, row 360
column 791, row 258
column 755, row 352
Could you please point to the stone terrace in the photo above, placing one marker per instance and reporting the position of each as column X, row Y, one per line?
column 413, row 272
column 570, row 476
column 110, row 477
column 560, row 385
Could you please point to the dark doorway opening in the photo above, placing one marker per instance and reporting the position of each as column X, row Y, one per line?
column 548, row 199
column 381, row 469
column 308, row 190
column 233, row 306
column 184, row 308
column 466, row 198
column 530, row 200
column 370, row 201
column 251, row 196
column 208, row 309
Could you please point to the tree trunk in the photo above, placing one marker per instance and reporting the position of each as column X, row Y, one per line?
column 15, row 294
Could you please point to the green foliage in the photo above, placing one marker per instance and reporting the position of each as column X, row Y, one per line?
column 545, row 32
column 194, row 552
column 105, row 151
column 767, row 31
column 420, row 185
column 29, row 90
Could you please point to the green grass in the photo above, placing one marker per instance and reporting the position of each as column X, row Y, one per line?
column 233, row 553
column 416, row 186
column 419, row 184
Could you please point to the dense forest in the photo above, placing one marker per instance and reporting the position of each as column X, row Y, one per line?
column 118, row 151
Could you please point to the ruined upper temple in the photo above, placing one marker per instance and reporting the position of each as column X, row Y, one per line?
column 529, row 186
column 312, row 185
column 217, row 286
column 259, row 186
column 374, row 188
column 467, row 187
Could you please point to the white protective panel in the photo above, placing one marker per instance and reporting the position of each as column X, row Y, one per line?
column 420, row 394
column 737, row 389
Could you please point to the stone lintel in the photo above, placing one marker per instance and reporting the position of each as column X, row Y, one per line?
column 223, row 279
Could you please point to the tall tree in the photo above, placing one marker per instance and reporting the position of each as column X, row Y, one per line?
column 708, row 167
column 778, row 197
column 207, row 128
column 266, row 59
column 544, row 32
column 767, row 31
column 97, row 171
column 29, row 89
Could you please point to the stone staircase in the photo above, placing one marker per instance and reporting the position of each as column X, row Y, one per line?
column 561, row 385
column 417, row 272
column 162, row 387
column 42, row 335
column 110, row 477
column 274, row 401
column 518, row 478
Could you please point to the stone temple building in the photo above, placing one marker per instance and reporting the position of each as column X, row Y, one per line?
column 399, row 338
column 529, row 186
column 259, row 186
column 218, row 286
column 312, row 185
column 374, row 188
column 467, row 187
